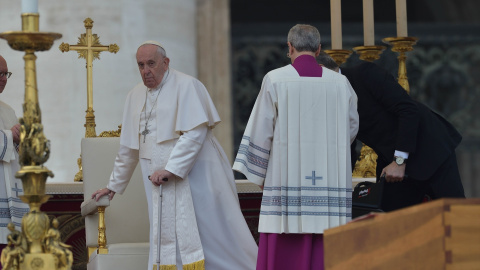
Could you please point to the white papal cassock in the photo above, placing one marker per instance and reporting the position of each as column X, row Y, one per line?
column 297, row 145
column 182, row 142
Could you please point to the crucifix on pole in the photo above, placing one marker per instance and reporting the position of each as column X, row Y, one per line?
column 89, row 48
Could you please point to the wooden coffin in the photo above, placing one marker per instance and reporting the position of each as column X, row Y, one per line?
column 441, row 234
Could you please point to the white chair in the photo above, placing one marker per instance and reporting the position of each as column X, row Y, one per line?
column 126, row 226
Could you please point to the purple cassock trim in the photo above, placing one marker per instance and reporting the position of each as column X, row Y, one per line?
column 307, row 66
column 290, row 251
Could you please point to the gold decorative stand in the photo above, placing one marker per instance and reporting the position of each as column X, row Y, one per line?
column 369, row 53
column 340, row 56
column 39, row 253
column 366, row 165
column 402, row 45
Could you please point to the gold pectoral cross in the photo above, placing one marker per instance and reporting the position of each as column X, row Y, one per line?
column 89, row 48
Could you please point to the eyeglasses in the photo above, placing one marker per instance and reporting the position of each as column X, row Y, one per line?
column 5, row 74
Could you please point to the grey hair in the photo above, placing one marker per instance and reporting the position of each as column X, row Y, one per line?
column 162, row 51
column 304, row 37
column 327, row 61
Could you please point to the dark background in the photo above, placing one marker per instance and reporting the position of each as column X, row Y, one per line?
column 443, row 69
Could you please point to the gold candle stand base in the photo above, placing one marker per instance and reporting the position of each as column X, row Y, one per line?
column 340, row 56
column 369, row 53
column 38, row 262
column 402, row 45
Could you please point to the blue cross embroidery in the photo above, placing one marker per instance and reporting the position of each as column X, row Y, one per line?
column 313, row 178
column 16, row 189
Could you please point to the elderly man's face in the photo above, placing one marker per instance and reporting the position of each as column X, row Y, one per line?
column 152, row 65
column 3, row 68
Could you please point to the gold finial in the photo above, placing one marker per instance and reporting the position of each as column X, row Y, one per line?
column 88, row 23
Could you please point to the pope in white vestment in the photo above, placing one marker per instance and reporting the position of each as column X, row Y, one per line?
column 167, row 127
column 12, row 208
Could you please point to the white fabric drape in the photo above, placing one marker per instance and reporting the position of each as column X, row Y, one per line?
column 297, row 144
column 12, row 208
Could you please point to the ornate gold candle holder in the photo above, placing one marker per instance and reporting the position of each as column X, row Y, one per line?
column 369, row 53
column 340, row 56
column 34, row 152
column 402, row 45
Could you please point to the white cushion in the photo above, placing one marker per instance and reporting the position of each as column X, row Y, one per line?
column 90, row 206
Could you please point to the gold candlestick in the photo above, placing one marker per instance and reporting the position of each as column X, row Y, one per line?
column 369, row 53
column 402, row 45
column 340, row 56
column 34, row 152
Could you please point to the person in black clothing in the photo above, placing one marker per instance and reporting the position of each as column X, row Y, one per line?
column 415, row 146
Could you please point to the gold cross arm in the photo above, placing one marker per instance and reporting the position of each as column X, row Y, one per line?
column 113, row 48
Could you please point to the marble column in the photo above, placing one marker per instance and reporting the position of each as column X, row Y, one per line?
column 214, row 65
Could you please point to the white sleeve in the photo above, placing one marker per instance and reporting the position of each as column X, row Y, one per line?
column 353, row 114
column 401, row 154
column 125, row 164
column 186, row 150
column 254, row 152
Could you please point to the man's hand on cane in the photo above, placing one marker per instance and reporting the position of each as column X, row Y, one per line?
column 160, row 177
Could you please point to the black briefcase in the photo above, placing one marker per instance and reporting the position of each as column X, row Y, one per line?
column 367, row 197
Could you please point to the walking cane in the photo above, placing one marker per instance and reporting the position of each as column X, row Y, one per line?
column 159, row 225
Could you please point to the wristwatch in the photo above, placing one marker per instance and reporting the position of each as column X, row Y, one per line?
column 399, row 160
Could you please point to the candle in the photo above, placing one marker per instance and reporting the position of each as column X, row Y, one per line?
column 368, row 30
column 401, row 8
column 336, row 21
column 29, row 6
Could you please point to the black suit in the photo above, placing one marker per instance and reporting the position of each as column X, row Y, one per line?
column 391, row 120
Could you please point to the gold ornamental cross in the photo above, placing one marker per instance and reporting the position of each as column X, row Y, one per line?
column 89, row 48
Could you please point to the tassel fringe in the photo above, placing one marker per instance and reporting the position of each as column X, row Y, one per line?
column 168, row 267
column 200, row 265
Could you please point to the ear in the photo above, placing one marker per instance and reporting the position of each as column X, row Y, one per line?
column 166, row 61
column 318, row 50
column 291, row 50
